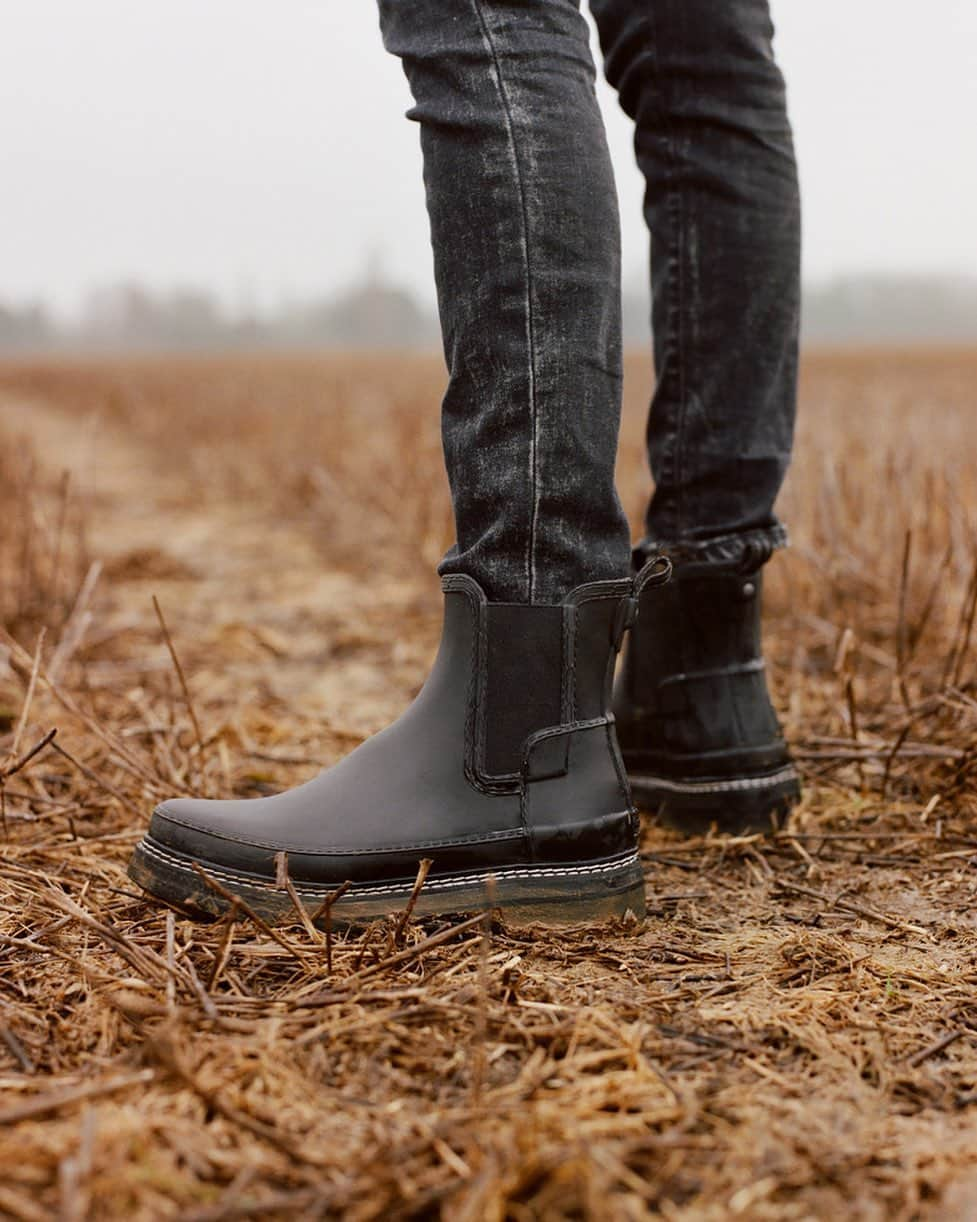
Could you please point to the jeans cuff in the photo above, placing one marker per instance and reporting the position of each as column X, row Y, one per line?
column 742, row 552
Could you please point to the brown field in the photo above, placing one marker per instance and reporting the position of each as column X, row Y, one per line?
column 791, row 1035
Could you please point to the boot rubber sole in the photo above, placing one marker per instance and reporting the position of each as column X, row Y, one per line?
column 555, row 894
column 734, row 805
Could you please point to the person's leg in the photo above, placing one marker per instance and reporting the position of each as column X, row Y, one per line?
column 506, row 765
column 525, row 232
column 713, row 140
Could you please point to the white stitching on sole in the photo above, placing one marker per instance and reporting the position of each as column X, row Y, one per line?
column 735, row 785
column 435, row 886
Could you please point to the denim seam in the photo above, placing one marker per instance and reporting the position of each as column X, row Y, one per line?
column 530, row 320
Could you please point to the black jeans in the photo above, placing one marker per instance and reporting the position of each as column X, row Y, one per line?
column 525, row 230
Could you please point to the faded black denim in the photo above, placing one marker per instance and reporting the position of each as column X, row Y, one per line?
column 525, row 232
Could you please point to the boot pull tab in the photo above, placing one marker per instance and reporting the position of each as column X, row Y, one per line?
column 655, row 573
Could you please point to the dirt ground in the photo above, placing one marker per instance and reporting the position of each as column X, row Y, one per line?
column 791, row 1034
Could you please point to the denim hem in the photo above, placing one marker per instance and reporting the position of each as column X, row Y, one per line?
column 742, row 551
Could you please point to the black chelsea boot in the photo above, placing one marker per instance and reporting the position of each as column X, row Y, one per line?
column 699, row 736
column 505, row 767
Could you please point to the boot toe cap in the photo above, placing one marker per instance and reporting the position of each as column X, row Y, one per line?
column 211, row 833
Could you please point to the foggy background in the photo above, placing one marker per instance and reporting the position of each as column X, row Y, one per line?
column 213, row 172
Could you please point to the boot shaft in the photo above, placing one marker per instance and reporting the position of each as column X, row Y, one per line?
column 693, row 678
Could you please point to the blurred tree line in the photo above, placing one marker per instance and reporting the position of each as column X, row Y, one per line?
column 132, row 317
column 378, row 313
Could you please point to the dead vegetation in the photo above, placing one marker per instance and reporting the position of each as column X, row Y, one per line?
column 792, row 1034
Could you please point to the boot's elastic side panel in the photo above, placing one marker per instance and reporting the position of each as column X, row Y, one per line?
column 523, row 681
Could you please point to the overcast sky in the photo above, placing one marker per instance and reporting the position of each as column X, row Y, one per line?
column 259, row 148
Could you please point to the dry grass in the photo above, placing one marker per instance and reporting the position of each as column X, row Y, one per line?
column 792, row 1034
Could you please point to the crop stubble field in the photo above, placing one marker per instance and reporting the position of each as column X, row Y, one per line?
column 791, row 1034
